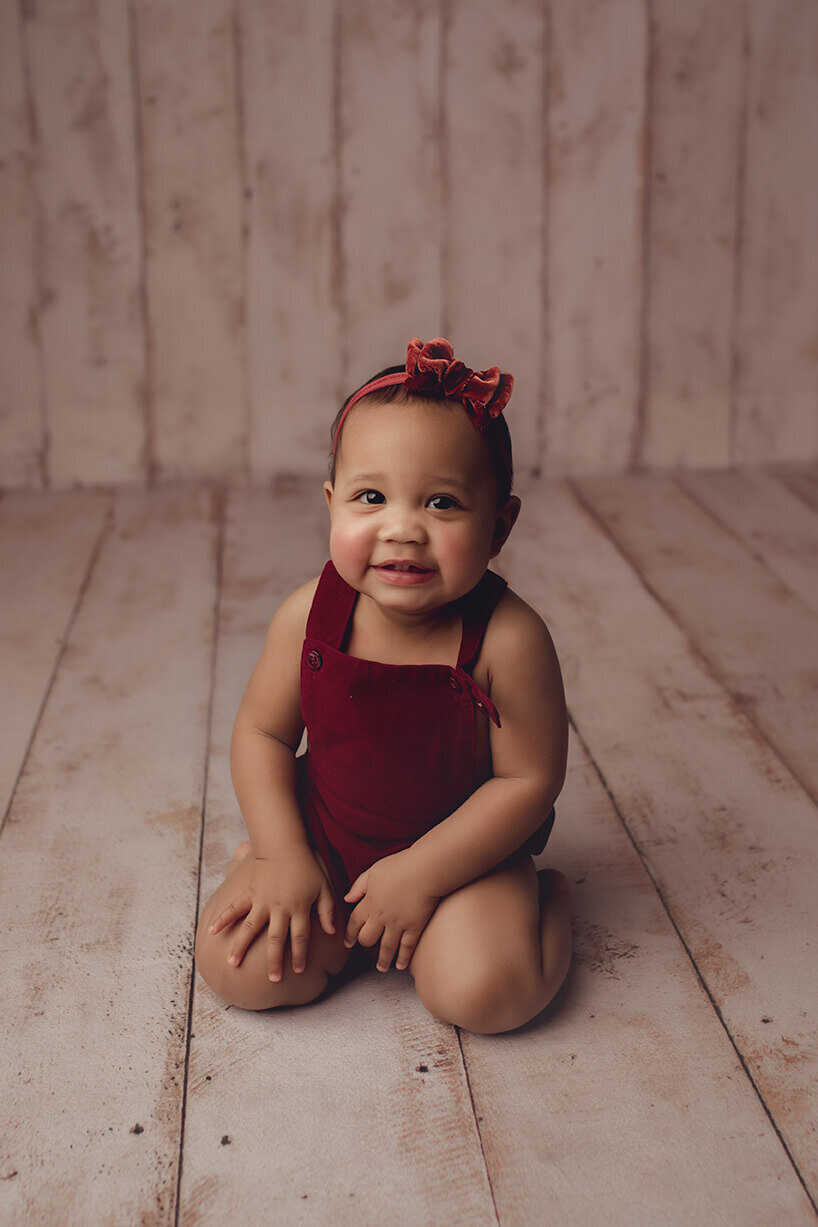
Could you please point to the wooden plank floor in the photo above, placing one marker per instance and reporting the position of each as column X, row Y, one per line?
column 675, row 1081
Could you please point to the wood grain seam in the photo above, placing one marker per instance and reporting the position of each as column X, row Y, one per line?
column 444, row 161
column 220, row 497
column 644, row 281
column 244, row 233
column 102, row 536
column 146, row 383
column 38, row 262
column 338, row 257
column 739, row 234
column 541, row 398
column 545, row 373
column 477, row 1126
column 699, row 976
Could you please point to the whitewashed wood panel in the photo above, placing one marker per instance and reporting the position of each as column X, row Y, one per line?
column 293, row 289
column 492, row 147
column 595, row 169
column 775, row 413
column 602, row 1108
column 390, row 180
column 192, row 190
column 757, row 637
column 728, row 835
column 326, row 1114
column 695, row 134
column 47, row 543
column 21, row 458
column 769, row 518
column 91, row 314
column 98, row 892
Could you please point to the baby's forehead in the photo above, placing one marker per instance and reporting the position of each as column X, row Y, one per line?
column 419, row 429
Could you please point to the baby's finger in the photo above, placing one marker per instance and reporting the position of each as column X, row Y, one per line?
column 276, row 937
column 370, row 932
column 238, row 908
column 407, row 949
column 386, row 952
column 326, row 910
column 247, row 930
column 299, row 939
column 357, row 890
column 354, row 926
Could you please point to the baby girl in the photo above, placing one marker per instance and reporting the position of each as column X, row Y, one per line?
column 436, row 729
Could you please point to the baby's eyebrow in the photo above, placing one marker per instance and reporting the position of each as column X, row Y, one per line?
column 357, row 478
column 450, row 481
column 436, row 479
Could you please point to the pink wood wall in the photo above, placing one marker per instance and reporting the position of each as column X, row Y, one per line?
column 217, row 219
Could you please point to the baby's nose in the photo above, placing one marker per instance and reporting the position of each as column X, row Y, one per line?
column 404, row 524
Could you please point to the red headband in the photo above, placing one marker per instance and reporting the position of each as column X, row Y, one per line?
column 433, row 368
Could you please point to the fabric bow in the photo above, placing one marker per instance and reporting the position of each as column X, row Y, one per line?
column 433, row 368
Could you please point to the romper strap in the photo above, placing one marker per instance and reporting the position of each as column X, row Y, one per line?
column 478, row 606
column 331, row 608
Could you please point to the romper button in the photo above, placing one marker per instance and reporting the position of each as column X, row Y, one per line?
column 314, row 659
column 454, row 683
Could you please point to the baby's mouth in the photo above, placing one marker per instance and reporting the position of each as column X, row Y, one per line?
column 403, row 566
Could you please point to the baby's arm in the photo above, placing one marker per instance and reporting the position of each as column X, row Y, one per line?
column 277, row 883
column 528, row 755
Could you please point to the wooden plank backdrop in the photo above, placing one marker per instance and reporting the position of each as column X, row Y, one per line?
column 293, row 220
column 22, row 446
column 777, row 317
column 594, row 278
column 495, row 77
column 216, row 222
column 694, row 156
column 89, row 291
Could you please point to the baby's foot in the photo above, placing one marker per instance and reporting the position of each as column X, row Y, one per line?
column 554, row 889
column 242, row 850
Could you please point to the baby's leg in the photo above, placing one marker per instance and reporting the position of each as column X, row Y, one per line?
column 248, row 985
column 496, row 951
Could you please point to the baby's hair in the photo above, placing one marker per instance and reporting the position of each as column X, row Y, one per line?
column 496, row 433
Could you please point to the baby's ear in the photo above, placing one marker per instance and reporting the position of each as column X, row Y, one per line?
column 504, row 523
column 328, row 492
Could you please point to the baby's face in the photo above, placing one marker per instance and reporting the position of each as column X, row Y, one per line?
column 414, row 516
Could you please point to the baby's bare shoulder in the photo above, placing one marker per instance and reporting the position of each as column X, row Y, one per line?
column 289, row 623
column 515, row 628
column 296, row 607
column 518, row 651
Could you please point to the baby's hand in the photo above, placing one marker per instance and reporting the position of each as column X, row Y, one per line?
column 279, row 896
column 391, row 901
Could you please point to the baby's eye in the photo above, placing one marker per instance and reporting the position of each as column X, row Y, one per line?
column 371, row 498
column 443, row 502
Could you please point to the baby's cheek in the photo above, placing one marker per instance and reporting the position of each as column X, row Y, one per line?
column 349, row 547
column 463, row 552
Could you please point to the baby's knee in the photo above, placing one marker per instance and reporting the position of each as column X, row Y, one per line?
column 248, row 986
column 485, row 1000
column 232, row 984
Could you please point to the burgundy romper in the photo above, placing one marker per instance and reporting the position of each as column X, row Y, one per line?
column 392, row 749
